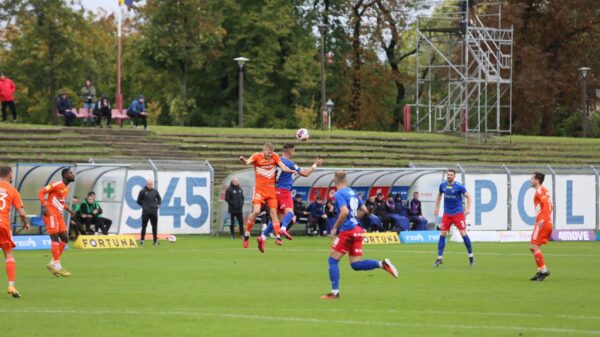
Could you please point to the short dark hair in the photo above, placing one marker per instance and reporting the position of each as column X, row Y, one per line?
column 319, row 197
column 75, row 197
column 5, row 171
column 64, row 171
column 452, row 170
column 297, row 196
column 91, row 193
column 539, row 176
column 288, row 146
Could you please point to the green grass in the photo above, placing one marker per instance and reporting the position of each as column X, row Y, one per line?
column 207, row 286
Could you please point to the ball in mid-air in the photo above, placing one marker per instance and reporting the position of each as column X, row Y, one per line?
column 302, row 135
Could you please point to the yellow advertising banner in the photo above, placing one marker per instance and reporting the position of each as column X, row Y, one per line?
column 105, row 241
column 380, row 238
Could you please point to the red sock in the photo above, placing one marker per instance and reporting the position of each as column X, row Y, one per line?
column 62, row 247
column 539, row 259
column 55, row 251
column 276, row 227
column 11, row 268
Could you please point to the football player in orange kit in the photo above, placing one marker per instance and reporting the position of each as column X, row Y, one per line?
column 9, row 197
column 543, row 224
column 265, row 163
column 52, row 209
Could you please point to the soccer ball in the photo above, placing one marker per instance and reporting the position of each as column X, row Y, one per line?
column 172, row 238
column 302, row 135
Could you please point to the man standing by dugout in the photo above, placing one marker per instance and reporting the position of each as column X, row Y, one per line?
column 150, row 200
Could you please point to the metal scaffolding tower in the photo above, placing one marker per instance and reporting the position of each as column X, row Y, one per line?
column 464, row 69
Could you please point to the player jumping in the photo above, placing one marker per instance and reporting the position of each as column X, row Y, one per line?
column 453, row 214
column 350, row 238
column 9, row 197
column 53, row 208
column 543, row 224
column 265, row 164
column 284, row 194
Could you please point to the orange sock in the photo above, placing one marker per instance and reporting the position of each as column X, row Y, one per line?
column 11, row 268
column 539, row 260
column 62, row 247
column 249, row 226
column 55, row 251
column 276, row 227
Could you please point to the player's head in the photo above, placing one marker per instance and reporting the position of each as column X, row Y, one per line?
column 75, row 200
column 339, row 179
column 6, row 174
column 380, row 196
column 150, row 184
column 537, row 179
column 67, row 175
column 289, row 149
column 398, row 197
column 90, row 198
column 268, row 150
column 298, row 197
column 416, row 195
column 319, row 199
column 450, row 175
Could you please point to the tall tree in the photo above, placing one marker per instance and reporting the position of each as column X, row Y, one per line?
column 181, row 37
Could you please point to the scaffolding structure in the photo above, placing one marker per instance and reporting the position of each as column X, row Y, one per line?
column 464, row 69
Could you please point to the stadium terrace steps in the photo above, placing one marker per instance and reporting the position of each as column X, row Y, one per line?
column 28, row 143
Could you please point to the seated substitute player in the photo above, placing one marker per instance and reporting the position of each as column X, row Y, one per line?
column 453, row 214
column 9, row 197
column 283, row 191
column 52, row 209
column 350, row 237
column 265, row 164
column 543, row 224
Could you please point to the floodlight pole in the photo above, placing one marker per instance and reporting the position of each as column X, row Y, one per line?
column 241, row 60
column 584, row 74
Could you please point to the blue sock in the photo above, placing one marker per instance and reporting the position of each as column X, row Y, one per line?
column 269, row 229
column 287, row 219
column 334, row 273
column 365, row 265
column 441, row 245
column 467, row 241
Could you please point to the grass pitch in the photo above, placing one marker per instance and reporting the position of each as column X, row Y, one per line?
column 206, row 286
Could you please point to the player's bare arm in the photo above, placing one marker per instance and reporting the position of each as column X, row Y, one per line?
column 469, row 201
column 244, row 160
column 23, row 216
column 284, row 167
column 436, row 209
column 309, row 171
column 341, row 218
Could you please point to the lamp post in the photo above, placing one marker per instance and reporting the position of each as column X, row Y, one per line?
column 323, row 30
column 329, row 106
column 584, row 71
column 241, row 61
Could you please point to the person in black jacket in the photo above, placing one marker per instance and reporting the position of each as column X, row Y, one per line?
column 90, row 212
column 150, row 200
column 102, row 109
column 234, row 196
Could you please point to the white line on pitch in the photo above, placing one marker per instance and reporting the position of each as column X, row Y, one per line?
column 303, row 320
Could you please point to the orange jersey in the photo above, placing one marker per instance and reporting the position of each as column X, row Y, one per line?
column 265, row 169
column 57, row 196
column 543, row 205
column 8, row 197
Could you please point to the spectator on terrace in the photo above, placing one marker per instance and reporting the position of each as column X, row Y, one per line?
column 317, row 217
column 65, row 108
column 399, row 223
column 415, row 214
column 102, row 109
column 88, row 97
column 7, row 92
column 137, row 112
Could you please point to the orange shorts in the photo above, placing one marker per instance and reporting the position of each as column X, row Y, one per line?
column 6, row 241
column 55, row 223
column 265, row 195
column 541, row 233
